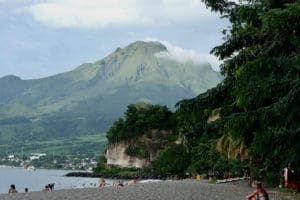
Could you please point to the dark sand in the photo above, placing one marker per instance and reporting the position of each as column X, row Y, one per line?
column 164, row 190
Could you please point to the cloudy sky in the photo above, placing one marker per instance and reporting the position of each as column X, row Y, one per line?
column 44, row 37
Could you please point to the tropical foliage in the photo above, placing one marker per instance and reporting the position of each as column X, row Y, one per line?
column 100, row 164
column 140, row 118
column 259, row 100
column 172, row 160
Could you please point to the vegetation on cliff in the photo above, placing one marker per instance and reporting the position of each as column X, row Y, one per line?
column 140, row 118
column 149, row 132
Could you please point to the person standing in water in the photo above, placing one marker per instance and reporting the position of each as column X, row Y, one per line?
column 101, row 182
column 12, row 189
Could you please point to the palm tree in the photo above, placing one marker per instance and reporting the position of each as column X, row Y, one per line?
column 232, row 148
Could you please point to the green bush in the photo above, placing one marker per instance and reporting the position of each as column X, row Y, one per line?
column 138, row 150
column 170, row 137
column 100, row 165
column 172, row 160
column 120, row 171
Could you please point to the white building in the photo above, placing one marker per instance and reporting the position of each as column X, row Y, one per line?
column 34, row 156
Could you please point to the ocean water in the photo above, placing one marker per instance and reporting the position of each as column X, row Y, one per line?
column 35, row 180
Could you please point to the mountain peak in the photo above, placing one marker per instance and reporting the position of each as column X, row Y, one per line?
column 11, row 78
column 155, row 46
column 150, row 47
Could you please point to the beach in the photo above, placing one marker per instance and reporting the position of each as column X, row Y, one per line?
column 163, row 190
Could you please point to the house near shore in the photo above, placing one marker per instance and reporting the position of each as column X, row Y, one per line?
column 35, row 156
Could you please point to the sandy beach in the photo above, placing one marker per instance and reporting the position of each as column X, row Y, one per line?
column 164, row 190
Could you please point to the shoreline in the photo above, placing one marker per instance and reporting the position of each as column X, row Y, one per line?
column 137, row 176
column 162, row 190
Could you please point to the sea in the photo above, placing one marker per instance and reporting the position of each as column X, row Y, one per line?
column 35, row 180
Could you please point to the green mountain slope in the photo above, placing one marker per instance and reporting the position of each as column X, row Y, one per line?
column 87, row 100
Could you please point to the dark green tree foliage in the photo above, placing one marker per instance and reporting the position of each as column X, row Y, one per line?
column 138, row 149
column 140, row 118
column 204, row 157
column 100, row 164
column 259, row 98
column 173, row 160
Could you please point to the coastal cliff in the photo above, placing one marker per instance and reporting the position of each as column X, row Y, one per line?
column 139, row 152
column 116, row 156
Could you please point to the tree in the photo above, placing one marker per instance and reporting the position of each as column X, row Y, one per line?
column 139, row 118
column 100, row 165
column 259, row 99
column 171, row 160
column 232, row 148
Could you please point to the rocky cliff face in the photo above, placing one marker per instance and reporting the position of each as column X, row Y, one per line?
column 155, row 140
column 116, row 156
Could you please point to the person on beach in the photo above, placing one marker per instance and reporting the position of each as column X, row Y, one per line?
column 101, row 182
column 26, row 189
column 290, row 179
column 131, row 182
column 259, row 193
column 118, row 184
column 12, row 189
column 51, row 186
column 287, row 175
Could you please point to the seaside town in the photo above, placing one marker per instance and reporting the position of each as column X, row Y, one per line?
column 43, row 160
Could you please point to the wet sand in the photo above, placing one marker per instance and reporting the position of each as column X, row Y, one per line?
column 164, row 190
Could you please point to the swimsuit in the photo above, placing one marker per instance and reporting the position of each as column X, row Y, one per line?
column 259, row 197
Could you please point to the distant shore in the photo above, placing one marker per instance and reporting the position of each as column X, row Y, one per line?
column 163, row 190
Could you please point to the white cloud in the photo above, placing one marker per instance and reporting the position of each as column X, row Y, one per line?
column 99, row 13
column 186, row 55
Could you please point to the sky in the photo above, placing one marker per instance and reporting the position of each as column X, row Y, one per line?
column 40, row 38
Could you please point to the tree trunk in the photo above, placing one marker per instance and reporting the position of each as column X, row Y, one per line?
column 251, row 168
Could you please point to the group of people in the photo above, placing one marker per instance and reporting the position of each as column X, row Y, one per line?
column 12, row 189
column 102, row 182
column 258, row 194
column 290, row 181
column 50, row 186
